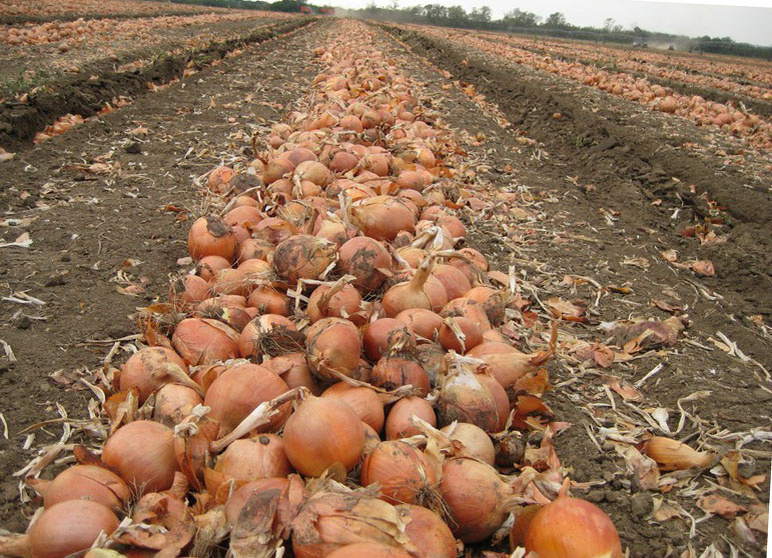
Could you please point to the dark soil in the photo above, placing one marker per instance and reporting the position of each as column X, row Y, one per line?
column 629, row 157
column 85, row 95
column 87, row 226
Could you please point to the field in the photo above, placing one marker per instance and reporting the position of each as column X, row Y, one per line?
column 611, row 208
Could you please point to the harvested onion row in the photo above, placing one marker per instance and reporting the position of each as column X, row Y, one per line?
column 311, row 339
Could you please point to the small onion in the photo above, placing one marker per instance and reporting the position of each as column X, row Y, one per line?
column 68, row 528
column 211, row 236
column 333, row 345
column 572, row 528
column 392, row 372
column 428, row 532
column 303, row 256
column 150, row 368
column 83, row 482
column 367, row 260
column 254, row 458
column 142, row 453
column 364, row 401
column 322, row 432
column 208, row 266
column 476, row 441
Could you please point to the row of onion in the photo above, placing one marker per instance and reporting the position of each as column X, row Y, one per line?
column 331, row 375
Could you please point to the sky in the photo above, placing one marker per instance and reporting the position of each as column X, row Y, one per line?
column 744, row 20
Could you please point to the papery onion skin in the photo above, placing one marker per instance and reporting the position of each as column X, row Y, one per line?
column 322, row 432
column 239, row 390
column 239, row 497
column 402, row 471
column 428, row 532
column 303, row 257
column 398, row 420
column 370, row 550
column 384, row 336
column 391, row 373
column 147, row 370
column 69, row 527
column 142, row 453
column 572, row 528
column 84, row 482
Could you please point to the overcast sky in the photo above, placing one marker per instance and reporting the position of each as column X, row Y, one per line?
column 744, row 20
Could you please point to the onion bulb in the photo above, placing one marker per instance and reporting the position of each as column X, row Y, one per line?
column 421, row 321
column 421, row 291
column 572, row 528
column 476, row 441
column 364, row 401
column 339, row 300
column 392, row 372
column 333, row 346
column 204, row 341
column 398, row 423
column 303, row 256
column 463, row 398
column 369, row 549
column 386, row 336
column 83, row 482
column 150, row 368
column 211, row 236
column 402, row 471
column 142, row 453
column 174, row 402
column 367, row 260
column 254, row 458
column 428, row 532
column 382, row 217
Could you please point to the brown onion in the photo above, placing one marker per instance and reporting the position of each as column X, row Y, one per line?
column 421, row 321
column 303, row 257
column 367, row 260
column 422, row 291
column 239, row 498
column 476, row 441
column 322, row 432
column 142, row 453
column 386, row 336
column 463, row 398
column 364, row 401
column 208, row 266
column 270, row 334
column 83, row 482
column 392, row 372
column 382, row 217
column 402, row 471
column 150, row 368
column 455, row 282
column 254, row 458
column 268, row 300
column 294, row 370
column 499, row 395
column 494, row 302
column 174, row 402
column 204, row 341
column 190, row 289
column 211, row 236
column 428, row 532
column 398, row 423
column 476, row 498
column 239, row 390
column 333, row 345
column 338, row 300
column 459, row 334
column 572, row 528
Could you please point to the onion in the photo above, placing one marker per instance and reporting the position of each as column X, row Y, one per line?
column 64, row 529
column 402, row 471
column 453, row 279
column 277, row 169
column 244, row 216
column 394, row 372
column 367, row 260
column 268, row 300
column 142, row 453
column 190, row 289
column 572, row 528
column 333, row 346
column 83, row 482
column 369, row 549
column 270, row 334
column 340, row 300
column 293, row 369
column 343, row 161
column 204, row 341
column 429, row 534
column 459, row 334
column 330, row 520
column 303, row 257
column 323, row 432
column 478, row 501
column 499, row 397
column 273, row 230
column 422, row 291
column 468, row 308
column 386, row 336
column 313, row 171
column 174, row 402
column 398, row 423
column 476, row 441
column 494, row 302
column 208, row 266
column 231, row 281
column 364, row 401
column 211, row 236
column 334, row 230
column 382, row 217
column 240, row 497
column 465, row 399
column 239, row 390
column 432, row 359
column 421, row 321
column 217, row 181
column 255, row 249
column 150, row 368
column 254, row 458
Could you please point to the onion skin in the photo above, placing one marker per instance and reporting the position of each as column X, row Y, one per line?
column 384, row 336
column 83, row 482
column 370, row 550
column 294, row 370
column 303, row 257
column 69, row 527
column 465, row 399
column 391, row 373
column 572, row 528
column 382, row 217
column 476, row 441
column 428, row 532
column 422, row 291
column 254, row 458
column 322, row 432
column 342, row 304
column 364, row 258
column 269, row 301
column 332, row 344
column 402, row 471
column 362, row 400
column 142, row 453
column 173, row 403
column 421, row 322
column 148, row 369
column 476, row 498
column 472, row 336
column 239, row 390
column 211, row 236
column 239, row 497
column 268, row 334
column 204, row 341
column 398, row 423
column 208, row 266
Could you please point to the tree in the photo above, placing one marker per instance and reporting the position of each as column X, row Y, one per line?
column 481, row 15
column 457, row 15
column 520, row 18
column 556, row 19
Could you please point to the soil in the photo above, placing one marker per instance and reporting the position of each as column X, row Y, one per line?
column 86, row 92
column 597, row 190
